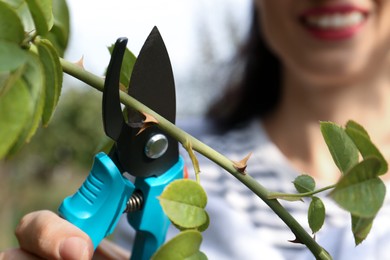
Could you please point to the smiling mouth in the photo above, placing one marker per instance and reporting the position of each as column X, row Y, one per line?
column 334, row 21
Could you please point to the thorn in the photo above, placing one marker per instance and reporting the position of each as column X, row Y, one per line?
column 295, row 241
column 149, row 119
column 147, row 122
column 80, row 62
column 122, row 87
column 241, row 165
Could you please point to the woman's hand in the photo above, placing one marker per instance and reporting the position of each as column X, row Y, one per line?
column 43, row 234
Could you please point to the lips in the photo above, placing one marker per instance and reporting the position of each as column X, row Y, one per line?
column 334, row 23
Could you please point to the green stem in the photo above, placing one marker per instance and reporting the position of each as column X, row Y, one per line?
column 26, row 44
column 276, row 195
column 80, row 73
column 96, row 82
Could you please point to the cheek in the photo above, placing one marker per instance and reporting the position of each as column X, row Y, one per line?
column 275, row 28
column 336, row 67
column 382, row 31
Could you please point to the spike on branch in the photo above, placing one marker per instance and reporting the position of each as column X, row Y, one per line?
column 241, row 165
column 147, row 122
column 122, row 87
column 297, row 241
column 80, row 62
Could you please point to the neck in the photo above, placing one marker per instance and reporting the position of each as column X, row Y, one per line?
column 303, row 105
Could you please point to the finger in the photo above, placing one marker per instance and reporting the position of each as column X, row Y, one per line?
column 47, row 235
column 108, row 250
column 17, row 254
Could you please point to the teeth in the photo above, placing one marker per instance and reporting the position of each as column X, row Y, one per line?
column 335, row 21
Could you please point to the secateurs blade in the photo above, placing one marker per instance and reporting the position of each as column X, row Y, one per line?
column 150, row 156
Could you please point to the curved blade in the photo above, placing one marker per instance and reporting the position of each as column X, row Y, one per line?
column 152, row 84
column 152, row 81
column 112, row 112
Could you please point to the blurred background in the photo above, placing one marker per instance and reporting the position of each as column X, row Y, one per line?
column 201, row 37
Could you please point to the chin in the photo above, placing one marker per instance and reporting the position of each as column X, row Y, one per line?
column 334, row 76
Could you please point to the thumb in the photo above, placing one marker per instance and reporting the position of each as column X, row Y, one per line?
column 74, row 248
column 47, row 235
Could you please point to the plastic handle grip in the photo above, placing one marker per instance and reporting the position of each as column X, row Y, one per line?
column 151, row 222
column 98, row 204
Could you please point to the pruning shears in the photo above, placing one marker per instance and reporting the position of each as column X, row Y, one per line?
column 140, row 164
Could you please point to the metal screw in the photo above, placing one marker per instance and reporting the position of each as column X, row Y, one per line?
column 156, row 146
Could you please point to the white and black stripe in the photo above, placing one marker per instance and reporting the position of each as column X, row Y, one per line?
column 243, row 227
column 271, row 169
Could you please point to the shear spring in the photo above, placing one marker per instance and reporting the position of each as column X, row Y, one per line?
column 135, row 202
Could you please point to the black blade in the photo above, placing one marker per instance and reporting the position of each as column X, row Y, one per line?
column 152, row 84
column 152, row 81
column 112, row 113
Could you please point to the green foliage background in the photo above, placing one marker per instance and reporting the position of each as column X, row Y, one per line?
column 54, row 163
column 37, row 155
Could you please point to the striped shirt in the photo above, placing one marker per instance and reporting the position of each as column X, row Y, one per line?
column 242, row 226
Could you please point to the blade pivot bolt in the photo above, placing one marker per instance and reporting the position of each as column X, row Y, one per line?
column 156, row 146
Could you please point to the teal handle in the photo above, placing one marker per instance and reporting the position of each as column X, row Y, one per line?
column 99, row 203
column 150, row 222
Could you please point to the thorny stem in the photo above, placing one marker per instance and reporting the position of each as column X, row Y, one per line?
column 275, row 195
column 98, row 83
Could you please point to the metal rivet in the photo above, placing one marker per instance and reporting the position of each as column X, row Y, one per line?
column 156, row 146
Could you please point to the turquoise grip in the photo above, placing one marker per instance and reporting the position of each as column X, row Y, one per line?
column 99, row 203
column 150, row 222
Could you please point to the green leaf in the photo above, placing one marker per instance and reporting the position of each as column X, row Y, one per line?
column 4, row 86
column 357, row 127
column 304, row 183
column 35, row 79
column 53, row 78
column 316, row 214
column 360, row 191
column 361, row 227
column 61, row 27
column 33, row 76
column 59, row 33
column 11, row 56
column 362, row 141
column 42, row 14
column 8, row 79
column 185, row 246
column 15, row 111
column 199, row 228
column 127, row 66
column 343, row 150
column 184, row 215
column 11, row 28
column 197, row 256
column 205, row 225
column 184, row 201
column 21, row 8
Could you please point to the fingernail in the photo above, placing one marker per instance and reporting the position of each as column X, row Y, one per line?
column 74, row 248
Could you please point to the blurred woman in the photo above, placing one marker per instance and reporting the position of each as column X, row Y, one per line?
column 304, row 61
